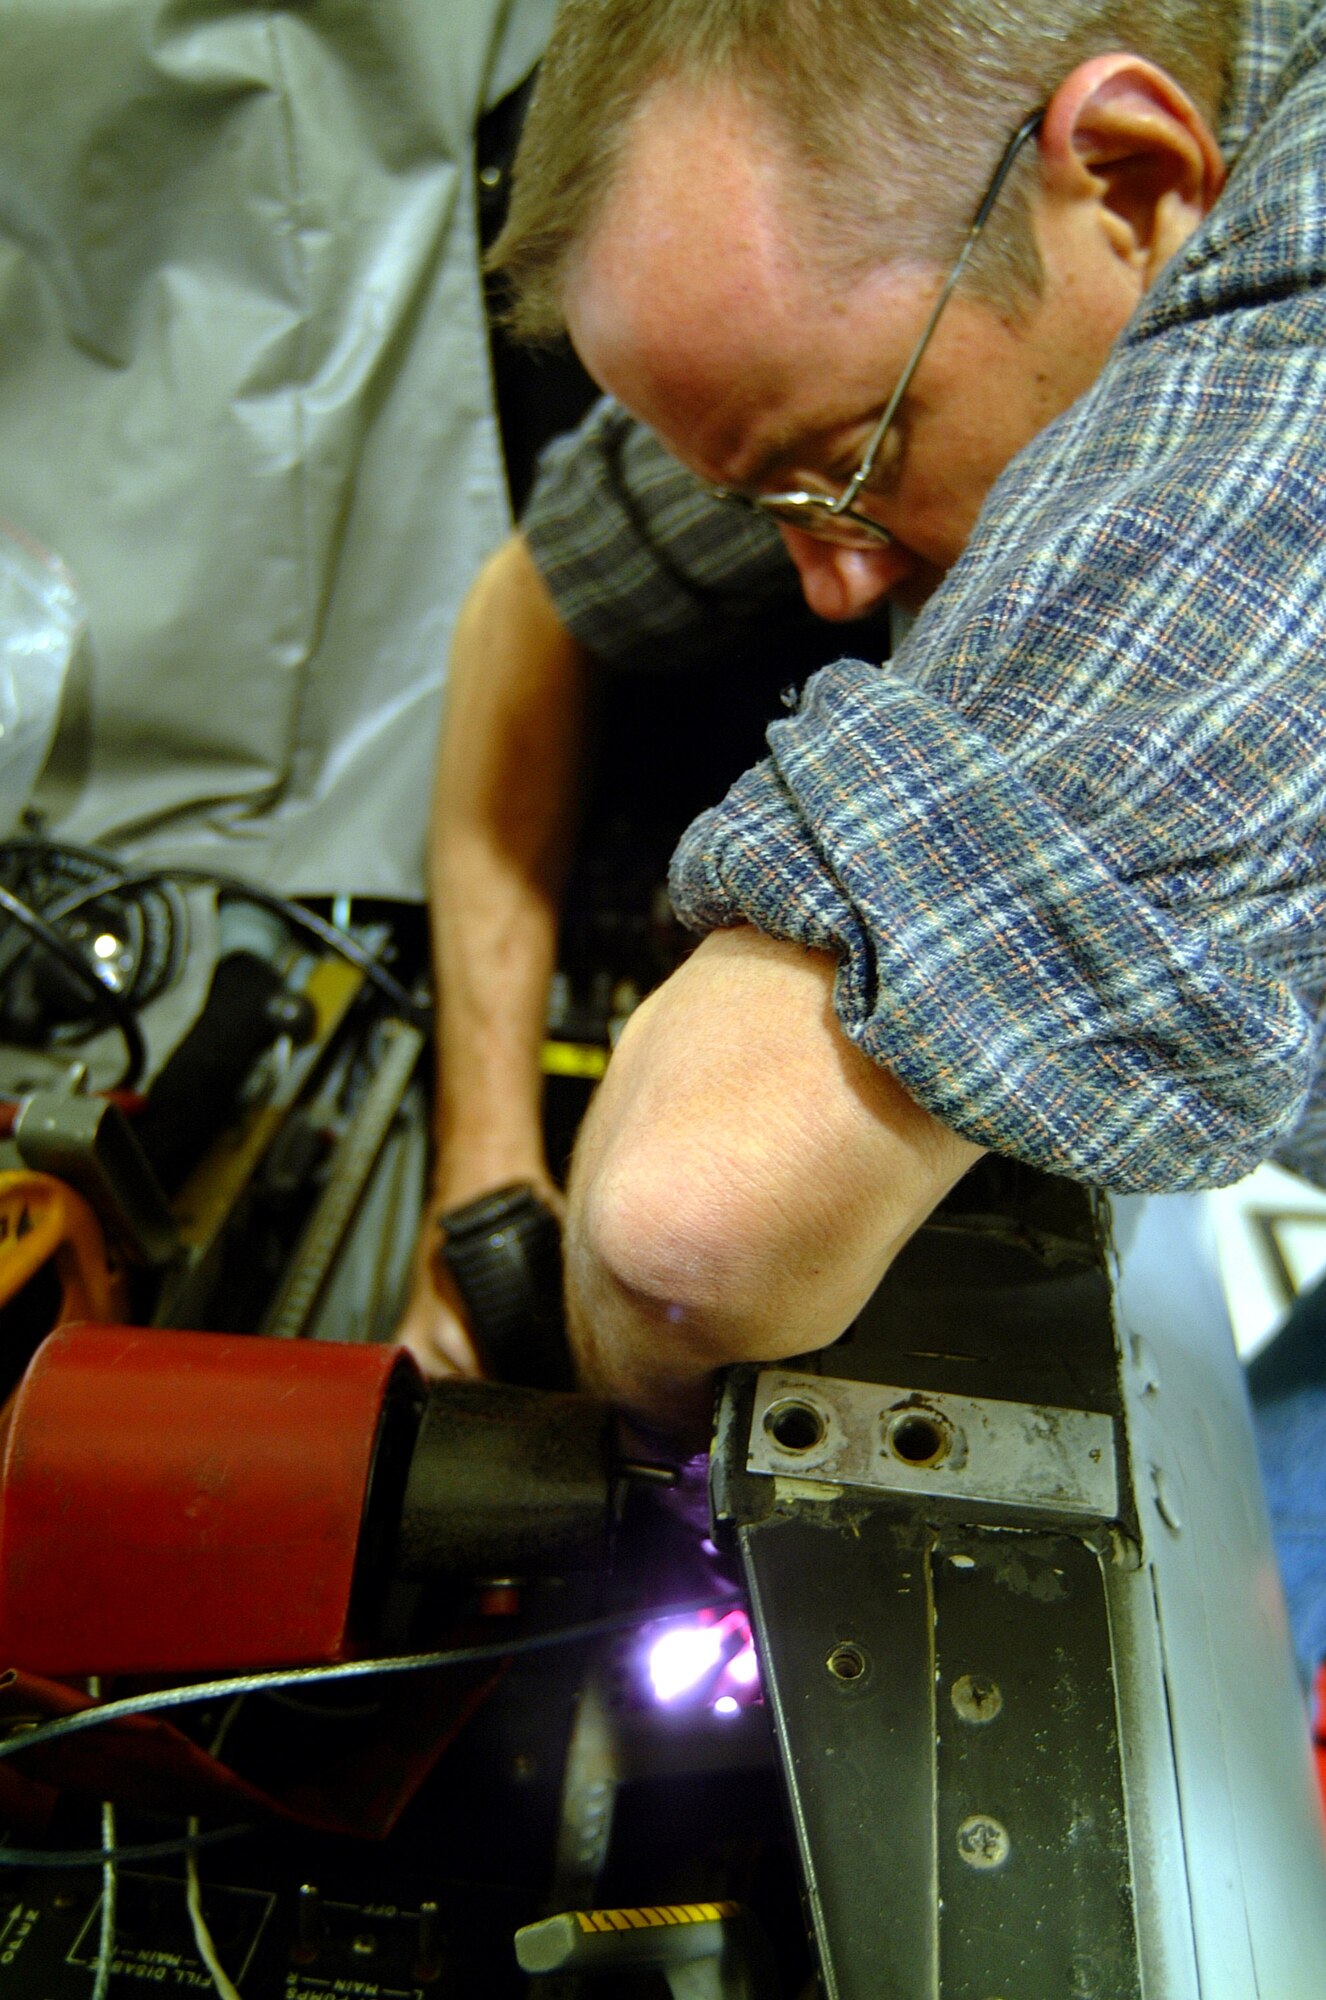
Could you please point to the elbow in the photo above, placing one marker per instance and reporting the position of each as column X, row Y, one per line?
column 700, row 1266
column 660, row 1251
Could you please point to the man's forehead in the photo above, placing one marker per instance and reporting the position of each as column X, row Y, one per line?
column 698, row 301
column 739, row 379
column 705, row 214
column 703, row 182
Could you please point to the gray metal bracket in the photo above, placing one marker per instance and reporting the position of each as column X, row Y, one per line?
column 1019, row 1462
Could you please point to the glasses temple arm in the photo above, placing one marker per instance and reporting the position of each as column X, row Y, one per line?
column 979, row 220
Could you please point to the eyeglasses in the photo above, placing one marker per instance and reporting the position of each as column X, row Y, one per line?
column 833, row 517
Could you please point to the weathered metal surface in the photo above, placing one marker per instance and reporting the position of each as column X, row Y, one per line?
column 1034, row 1873
column 1038, row 1757
column 857, row 1750
column 1011, row 1459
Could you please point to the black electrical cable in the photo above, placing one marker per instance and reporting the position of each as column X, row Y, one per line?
column 308, row 921
column 302, row 918
column 28, row 1738
column 117, row 882
column 92, row 1857
column 107, row 1003
column 75, row 900
column 147, row 930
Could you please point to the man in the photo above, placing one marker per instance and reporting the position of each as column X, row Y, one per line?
column 1051, row 883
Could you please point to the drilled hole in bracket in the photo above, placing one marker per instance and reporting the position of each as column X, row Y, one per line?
column 847, row 1663
column 918, row 1438
column 794, row 1425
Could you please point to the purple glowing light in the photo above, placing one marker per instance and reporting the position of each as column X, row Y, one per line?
column 744, row 1668
column 683, row 1657
column 727, row 1704
column 706, row 1659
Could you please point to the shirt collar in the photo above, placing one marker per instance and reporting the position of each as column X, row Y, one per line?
column 1270, row 29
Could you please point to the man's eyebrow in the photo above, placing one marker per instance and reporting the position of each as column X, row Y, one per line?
column 792, row 452
column 780, row 455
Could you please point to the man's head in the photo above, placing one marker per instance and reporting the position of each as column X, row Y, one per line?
column 744, row 208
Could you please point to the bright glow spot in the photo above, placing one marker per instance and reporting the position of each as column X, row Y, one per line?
column 105, row 946
column 682, row 1658
column 744, row 1668
column 727, row 1704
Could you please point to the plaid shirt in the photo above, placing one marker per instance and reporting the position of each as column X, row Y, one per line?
column 1069, row 845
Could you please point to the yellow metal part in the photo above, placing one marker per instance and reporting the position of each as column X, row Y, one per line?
column 41, row 1219
column 211, row 1190
column 585, row 1059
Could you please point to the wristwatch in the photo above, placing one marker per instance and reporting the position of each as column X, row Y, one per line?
column 504, row 1251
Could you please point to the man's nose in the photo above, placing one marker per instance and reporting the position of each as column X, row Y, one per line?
column 842, row 583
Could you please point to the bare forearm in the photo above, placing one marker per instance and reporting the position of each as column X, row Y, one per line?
column 503, row 812
column 744, row 1180
column 503, row 817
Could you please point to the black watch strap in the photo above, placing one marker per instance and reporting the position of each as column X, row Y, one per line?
column 504, row 1252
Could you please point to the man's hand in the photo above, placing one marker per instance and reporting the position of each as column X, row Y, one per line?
column 434, row 1325
column 743, row 1180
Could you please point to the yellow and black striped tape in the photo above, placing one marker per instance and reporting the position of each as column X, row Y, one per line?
column 660, row 1917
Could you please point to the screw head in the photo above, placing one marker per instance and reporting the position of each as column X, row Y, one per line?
column 976, row 1698
column 983, row 1842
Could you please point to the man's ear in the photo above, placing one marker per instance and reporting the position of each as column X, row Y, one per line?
column 1120, row 134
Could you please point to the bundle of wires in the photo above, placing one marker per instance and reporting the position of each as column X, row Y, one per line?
column 134, row 939
column 91, row 941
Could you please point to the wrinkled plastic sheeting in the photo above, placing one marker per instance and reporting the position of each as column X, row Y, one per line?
column 41, row 623
column 245, row 392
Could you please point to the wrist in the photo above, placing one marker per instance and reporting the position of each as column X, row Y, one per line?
column 463, row 1173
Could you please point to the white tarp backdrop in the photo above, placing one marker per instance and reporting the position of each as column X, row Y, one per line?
column 245, row 396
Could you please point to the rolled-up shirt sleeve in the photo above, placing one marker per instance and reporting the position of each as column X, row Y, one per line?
column 641, row 560
column 1070, row 846
column 1004, row 965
